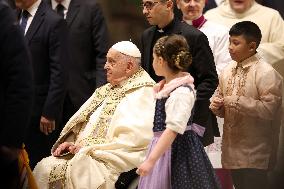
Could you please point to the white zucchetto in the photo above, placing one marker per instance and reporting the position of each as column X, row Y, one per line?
column 127, row 48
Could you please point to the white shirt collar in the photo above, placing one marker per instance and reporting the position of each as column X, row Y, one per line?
column 189, row 22
column 32, row 9
column 65, row 4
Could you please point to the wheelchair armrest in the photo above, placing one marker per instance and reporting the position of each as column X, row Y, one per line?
column 125, row 179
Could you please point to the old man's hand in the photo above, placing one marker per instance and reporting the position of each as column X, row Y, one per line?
column 74, row 149
column 62, row 148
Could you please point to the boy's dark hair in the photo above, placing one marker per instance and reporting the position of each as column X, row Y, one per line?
column 248, row 29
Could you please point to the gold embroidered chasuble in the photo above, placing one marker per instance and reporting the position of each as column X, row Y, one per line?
column 106, row 152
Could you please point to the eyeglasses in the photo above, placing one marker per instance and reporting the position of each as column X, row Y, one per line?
column 187, row 1
column 149, row 4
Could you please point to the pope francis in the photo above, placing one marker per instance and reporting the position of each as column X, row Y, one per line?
column 110, row 132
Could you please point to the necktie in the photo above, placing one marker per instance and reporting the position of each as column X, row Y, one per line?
column 25, row 17
column 60, row 10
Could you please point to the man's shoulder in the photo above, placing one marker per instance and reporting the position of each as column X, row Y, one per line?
column 216, row 28
column 189, row 32
column 187, row 29
column 140, row 79
column 148, row 30
column 212, row 12
column 103, row 88
column 50, row 15
column 265, row 71
column 3, row 5
column 88, row 4
column 6, row 13
column 263, row 66
column 52, row 20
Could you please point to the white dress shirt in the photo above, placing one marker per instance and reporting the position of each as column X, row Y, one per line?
column 32, row 10
column 64, row 3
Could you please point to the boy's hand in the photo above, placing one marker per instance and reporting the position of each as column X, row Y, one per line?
column 216, row 103
column 231, row 101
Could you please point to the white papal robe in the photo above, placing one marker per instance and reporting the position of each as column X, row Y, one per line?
column 114, row 126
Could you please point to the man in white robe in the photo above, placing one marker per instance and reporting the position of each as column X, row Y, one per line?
column 110, row 132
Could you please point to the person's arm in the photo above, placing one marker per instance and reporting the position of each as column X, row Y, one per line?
column 181, row 100
column 16, row 86
column 57, row 83
column 16, row 80
column 100, row 44
column 217, row 106
column 205, row 78
column 163, row 144
column 217, row 100
column 269, row 87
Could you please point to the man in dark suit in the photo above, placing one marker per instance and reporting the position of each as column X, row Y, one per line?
column 161, row 16
column 16, row 91
column 88, row 43
column 45, row 33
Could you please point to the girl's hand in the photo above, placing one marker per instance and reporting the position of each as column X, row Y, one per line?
column 145, row 168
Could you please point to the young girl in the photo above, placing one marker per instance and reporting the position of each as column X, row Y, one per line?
column 176, row 158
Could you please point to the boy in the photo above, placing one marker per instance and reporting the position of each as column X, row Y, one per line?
column 249, row 98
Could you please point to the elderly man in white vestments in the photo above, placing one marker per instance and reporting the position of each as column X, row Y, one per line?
column 110, row 132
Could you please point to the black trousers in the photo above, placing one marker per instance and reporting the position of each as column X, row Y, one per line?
column 250, row 178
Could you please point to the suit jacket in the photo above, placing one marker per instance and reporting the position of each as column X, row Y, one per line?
column 46, row 41
column 11, row 3
column 88, row 43
column 202, row 69
column 16, row 86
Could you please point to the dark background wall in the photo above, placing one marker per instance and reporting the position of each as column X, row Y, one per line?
column 125, row 20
